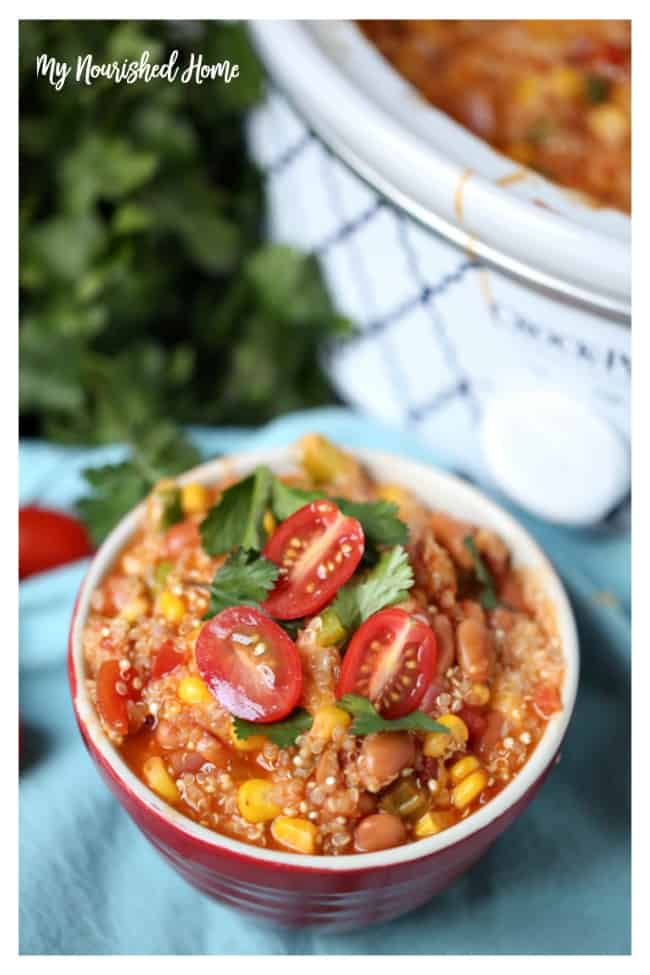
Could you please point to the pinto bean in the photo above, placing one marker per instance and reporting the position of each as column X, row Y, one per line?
column 182, row 761
column 169, row 736
column 495, row 551
column 446, row 644
column 474, row 657
column 452, row 533
column 379, row 832
column 383, row 756
column 491, row 733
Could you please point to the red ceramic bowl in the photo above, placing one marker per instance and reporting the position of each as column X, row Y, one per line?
column 345, row 891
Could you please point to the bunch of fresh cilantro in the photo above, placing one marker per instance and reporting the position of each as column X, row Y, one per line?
column 148, row 295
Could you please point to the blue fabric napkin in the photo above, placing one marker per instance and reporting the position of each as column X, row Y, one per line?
column 556, row 882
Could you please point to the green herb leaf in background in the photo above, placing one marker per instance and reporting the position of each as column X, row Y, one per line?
column 245, row 579
column 488, row 597
column 281, row 733
column 367, row 719
column 148, row 294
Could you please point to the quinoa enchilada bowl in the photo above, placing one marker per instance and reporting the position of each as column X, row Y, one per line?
column 322, row 682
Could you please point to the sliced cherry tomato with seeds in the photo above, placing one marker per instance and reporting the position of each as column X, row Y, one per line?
column 250, row 664
column 114, row 688
column 166, row 658
column 318, row 549
column 391, row 660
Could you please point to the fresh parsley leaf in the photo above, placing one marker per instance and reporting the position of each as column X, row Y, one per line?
column 367, row 719
column 235, row 521
column 116, row 488
column 285, row 500
column 384, row 585
column 245, row 579
column 379, row 519
column 488, row 597
column 281, row 733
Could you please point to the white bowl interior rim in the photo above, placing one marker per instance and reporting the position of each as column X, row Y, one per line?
column 434, row 487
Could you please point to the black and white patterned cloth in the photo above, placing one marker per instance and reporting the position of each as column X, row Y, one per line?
column 439, row 331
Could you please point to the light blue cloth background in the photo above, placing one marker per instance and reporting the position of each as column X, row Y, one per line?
column 558, row 881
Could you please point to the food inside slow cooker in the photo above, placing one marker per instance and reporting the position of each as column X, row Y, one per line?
column 320, row 663
column 553, row 95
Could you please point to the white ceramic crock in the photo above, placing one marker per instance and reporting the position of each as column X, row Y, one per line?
column 467, row 275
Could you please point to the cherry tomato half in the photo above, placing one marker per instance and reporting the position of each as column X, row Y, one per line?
column 48, row 538
column 317, row 548
column 391, row 660
column 250, row 664
column 167, row 657
column 114, row 687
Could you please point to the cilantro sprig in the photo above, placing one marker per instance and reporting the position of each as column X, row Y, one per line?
column 384, row 585
column 235, row 521
column 379, row 519
column 367, row 719
column 282, row 733
column 245, row 579
column 487, row 597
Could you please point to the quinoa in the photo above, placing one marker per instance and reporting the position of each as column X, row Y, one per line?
column 153, row 601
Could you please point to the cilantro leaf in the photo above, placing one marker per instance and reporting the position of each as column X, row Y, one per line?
column 116, row 488
column 367, row 719
column 244, row 579
column 379, row 519
column 282, row 733
column 488, row 597
column 235, row 521
column 385, row 584
column 285, row 500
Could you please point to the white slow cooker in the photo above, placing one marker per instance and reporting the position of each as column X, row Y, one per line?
column 492, row 306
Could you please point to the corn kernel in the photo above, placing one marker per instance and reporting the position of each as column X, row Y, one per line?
column 404, row 500
column 192, row 690
column 463, row 767
column 254, row 743
column 324, row 462
column 254, row 801
column 479, row 695
column 609, row 124
column 296, row 834
column 565, row 82
column 437, row 743
column 432, row 822
column 269, row 524
column 135, row 609
column 172, row 607
column 159, row 779
column 194, row 498
column 327, row 719
column 528, row 91
column 469, row 789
